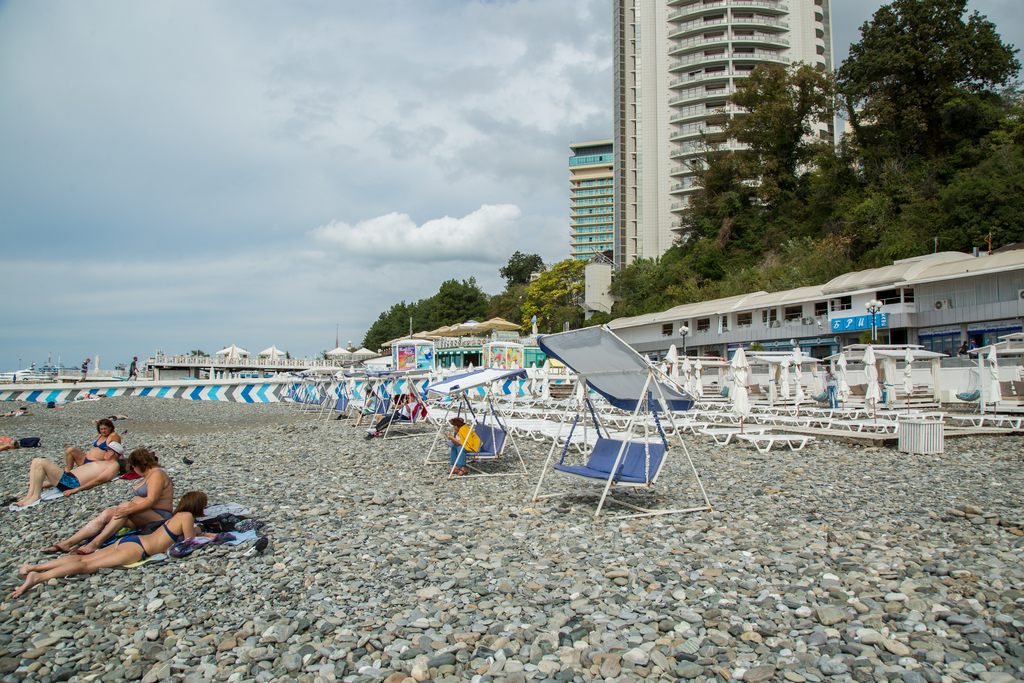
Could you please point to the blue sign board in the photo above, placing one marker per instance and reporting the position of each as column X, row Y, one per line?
column 859, row 322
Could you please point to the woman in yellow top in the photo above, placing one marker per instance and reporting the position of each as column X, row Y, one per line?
column 463, row 441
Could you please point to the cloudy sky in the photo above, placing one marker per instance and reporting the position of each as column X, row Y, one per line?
column 195, row 174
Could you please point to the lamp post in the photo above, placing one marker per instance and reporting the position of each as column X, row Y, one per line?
column 683, row 329
column 873, row 307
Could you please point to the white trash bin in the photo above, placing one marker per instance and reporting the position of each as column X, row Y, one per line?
column 921, row 436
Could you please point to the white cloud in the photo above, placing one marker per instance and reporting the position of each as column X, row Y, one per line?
column 483, row 235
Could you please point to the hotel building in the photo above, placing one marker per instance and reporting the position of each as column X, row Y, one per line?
column 590, row 181
column 675, row 63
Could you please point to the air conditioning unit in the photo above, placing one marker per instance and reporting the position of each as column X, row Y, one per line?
column 943, row 303
column 774, row 323
column 807, row 321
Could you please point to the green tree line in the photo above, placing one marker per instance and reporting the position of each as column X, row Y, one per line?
column 553, row 297
column 934, row 159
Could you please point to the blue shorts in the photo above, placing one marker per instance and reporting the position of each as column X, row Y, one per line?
column 67, row 481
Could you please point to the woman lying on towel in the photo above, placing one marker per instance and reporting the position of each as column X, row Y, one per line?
column 42, row 474
column 151, row 498
column 126, row 551
column 102, row 448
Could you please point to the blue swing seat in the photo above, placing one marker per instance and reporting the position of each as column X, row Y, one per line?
column 492, row 441
column 632, row 470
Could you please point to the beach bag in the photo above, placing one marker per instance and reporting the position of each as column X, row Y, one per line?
column 31, row 442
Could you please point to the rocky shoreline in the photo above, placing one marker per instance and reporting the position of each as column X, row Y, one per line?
column 836, row 563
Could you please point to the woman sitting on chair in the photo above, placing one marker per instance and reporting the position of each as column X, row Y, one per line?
column 126, row 551
column 463, row 436
column 101, row 448
column 405, row 405
column 151, row 501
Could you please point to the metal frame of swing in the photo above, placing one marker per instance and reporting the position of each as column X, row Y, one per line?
column 647, row 404
column 470, row 455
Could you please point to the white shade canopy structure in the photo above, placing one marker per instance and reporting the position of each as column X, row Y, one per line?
column 232, row 352
column 469, row 327
column 995, row 393
column 738, row 392
column 872, row 395
column 339, row 352
column 273, row 353
column 364, row 353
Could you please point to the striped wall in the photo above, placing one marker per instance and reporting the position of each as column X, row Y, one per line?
column 237, row 392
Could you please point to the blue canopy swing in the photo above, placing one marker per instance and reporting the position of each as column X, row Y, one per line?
column 606, row 364
column 493, row 437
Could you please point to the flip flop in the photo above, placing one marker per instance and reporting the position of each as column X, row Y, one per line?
column 79, row 551
column 54, row 549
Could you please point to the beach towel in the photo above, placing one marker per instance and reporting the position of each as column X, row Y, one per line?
column 159, row 557
column 190, row 545
column 212, row 511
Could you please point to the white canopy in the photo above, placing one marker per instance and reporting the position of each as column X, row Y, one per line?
column 232, row 352
column 364, row 353
column 476, row 378
column 273, row 353
column 738, row 393
column 339, row 352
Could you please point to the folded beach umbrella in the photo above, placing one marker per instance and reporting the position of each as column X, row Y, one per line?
column 872, row 395
column 784, row 380
column 995, row 391
column 798, row 367
column 844, row 386
column 698, row 385
column 773, row 383
column 908, row 382
column 688, row 376
column 738, row 393
column 672, row 358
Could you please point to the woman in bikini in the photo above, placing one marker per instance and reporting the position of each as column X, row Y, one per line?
column 126, row 551
column 100, row 448
column 151, row 500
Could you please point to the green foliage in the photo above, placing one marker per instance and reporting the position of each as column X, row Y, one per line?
column 519, row 268
column 508, row 304
column 455, row 302
column 936, row 155
column 554, row 297
column 756, row 346
column 197, row 352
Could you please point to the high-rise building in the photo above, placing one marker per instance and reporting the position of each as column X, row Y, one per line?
column 590, row 182
column 675, row 64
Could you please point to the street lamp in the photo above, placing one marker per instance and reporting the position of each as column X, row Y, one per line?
column 873, row 307
column 683, row 329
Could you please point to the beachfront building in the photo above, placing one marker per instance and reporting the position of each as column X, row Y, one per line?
column 590, row 185
column 938, row 301
column 675, row 63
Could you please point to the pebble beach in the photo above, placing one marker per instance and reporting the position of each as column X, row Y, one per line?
column 834, row 563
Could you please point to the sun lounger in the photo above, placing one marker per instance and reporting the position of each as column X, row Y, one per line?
column 723, row 435
column 764, row 442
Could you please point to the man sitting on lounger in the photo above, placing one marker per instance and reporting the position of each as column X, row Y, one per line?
column 82, row 478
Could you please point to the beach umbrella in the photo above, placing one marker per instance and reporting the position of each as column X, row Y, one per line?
column 232, row 352
column 773, row 383
column 842, row 385
column 738, row 393
column 889, row 364
column 698, row 385
column 545, row 387
column 816, row 387
column 995, row 391
column 907, row 380
column 273, row 353
column 499, row 324
column 672, row 358
column 798, row 366
column 872, row 394
column 688, row 376
column 784, row 380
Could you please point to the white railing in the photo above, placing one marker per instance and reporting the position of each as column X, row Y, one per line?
column 207, row 361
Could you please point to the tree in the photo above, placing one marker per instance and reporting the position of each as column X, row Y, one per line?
column 914, row 60
column 782, row 107
column 197, row 352
column 554, row 297
column 520, row 267
column 508, row 304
